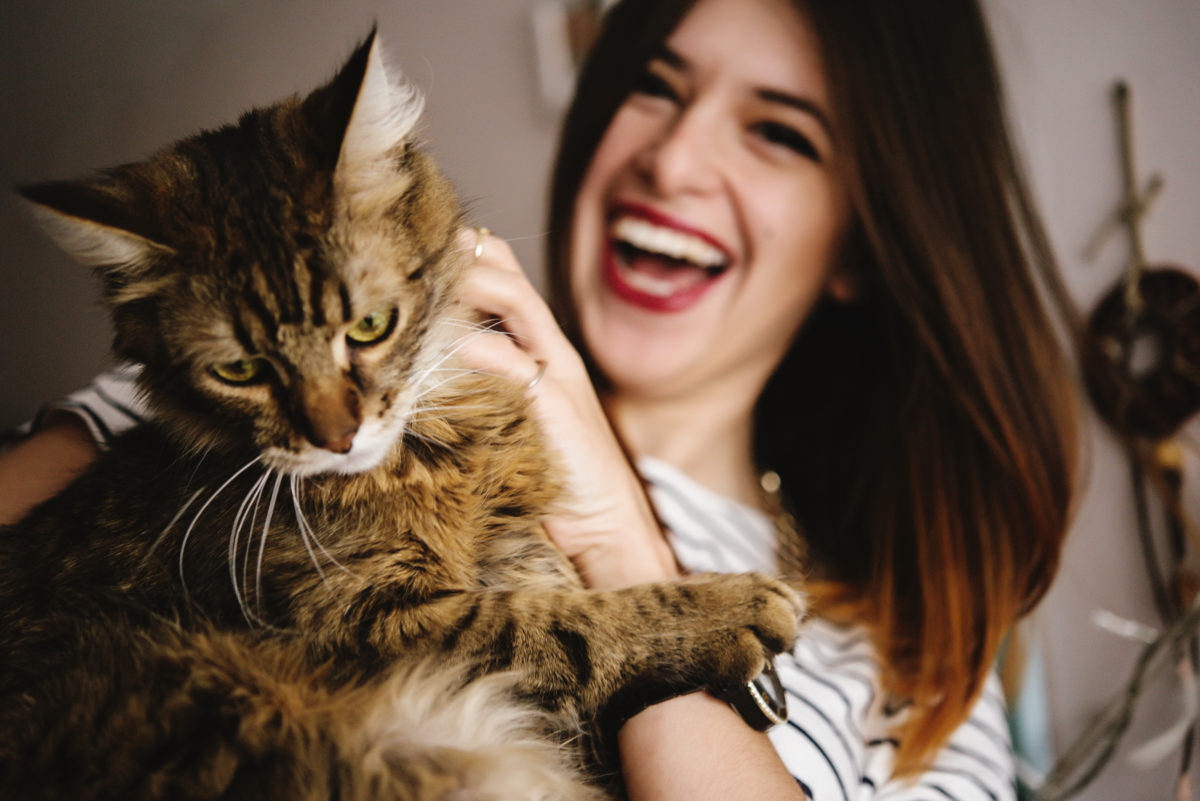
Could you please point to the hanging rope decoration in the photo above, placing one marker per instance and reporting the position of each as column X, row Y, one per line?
column 1142, row 358
column 1140, row 353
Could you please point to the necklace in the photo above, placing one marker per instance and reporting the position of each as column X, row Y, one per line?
column 790, row 548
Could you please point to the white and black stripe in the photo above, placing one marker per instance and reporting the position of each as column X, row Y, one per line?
column 109, row 406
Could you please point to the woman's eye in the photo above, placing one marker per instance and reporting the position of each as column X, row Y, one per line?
column 776, row 133
column 242, row 371
column 372, row 328
column 652, row 84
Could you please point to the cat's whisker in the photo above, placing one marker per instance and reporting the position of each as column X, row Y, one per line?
column 436, row 411
column 462, row 371
column 167, row 529
column 303, row 527
column 235, row 536
column 454, row 373
column 526, row 238
column 262, row 545
column 441, row 358
column 247, row 513
column 425, row 392
column 239, row 518
column 251, row 525
column 306, row 527
column 187, row 534
column 435, row 387
column 440, row 408
column 454, row 346
column 495, row 326
column 458, row 344
column 472, row 325
column 509, row 239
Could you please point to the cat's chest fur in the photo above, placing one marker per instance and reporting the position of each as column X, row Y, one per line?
column 454, row 508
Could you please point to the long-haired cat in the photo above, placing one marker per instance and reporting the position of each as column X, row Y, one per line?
column 319, row 572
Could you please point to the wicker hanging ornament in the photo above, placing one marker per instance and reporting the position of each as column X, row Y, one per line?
column 1141, row 355
column 1143, row 367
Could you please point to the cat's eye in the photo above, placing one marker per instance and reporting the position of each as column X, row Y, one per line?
column 242, row 371
column 372, row 328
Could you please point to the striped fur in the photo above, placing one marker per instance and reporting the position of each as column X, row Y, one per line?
column 247, row 598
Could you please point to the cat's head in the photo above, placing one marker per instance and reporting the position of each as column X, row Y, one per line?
column 278, row 278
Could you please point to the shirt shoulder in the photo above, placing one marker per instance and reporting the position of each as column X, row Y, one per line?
column 108, row 406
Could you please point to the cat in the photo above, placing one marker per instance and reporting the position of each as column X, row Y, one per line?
column 319, row 572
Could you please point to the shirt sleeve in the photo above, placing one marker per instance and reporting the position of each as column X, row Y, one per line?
column 976, row 764
column 109, row 406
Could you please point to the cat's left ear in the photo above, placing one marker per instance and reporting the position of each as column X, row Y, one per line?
column 93, row 222
column 365, row 112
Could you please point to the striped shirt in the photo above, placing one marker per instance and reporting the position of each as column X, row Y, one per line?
column 836, row 742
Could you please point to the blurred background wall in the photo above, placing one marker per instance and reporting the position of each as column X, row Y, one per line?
column 92, row 84
column 88, row 85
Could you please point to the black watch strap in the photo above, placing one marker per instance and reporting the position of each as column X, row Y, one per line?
column 761, row 702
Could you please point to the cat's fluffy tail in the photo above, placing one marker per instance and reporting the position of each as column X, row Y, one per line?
column 432, row 734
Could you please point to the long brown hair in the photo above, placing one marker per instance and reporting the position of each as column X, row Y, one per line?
column 925, row 432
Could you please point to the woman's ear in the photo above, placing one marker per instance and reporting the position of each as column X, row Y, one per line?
column 844, row 285
column 845, row 282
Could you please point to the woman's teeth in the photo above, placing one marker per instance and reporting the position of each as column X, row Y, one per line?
column 667, row 242
column 648, row 284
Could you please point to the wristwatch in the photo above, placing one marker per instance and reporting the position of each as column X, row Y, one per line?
column 761, row 701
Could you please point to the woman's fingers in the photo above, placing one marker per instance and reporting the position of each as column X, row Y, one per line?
column 519, row 333
column 606, row 525
column 496, row 285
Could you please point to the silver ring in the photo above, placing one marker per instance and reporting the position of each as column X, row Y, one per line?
column 480, row 234
column 537, row 377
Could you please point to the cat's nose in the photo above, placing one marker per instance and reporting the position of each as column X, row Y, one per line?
column 335, row 435
column 331, row 416
column 341, row 444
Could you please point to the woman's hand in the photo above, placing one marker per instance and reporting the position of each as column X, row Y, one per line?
column 606, row 525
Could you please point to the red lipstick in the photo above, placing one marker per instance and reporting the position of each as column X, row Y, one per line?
column 656, row 281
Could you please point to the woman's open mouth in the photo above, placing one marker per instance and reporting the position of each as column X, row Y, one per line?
column 657, row 265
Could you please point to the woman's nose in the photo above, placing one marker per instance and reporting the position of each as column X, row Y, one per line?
column 686, row 155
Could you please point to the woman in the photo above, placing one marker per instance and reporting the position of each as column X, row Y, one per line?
column 791, row 237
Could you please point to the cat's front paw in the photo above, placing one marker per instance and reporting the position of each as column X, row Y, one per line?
column 749, row 617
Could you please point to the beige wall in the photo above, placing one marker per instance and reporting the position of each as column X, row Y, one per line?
column 1062, row 58
column 91, row 84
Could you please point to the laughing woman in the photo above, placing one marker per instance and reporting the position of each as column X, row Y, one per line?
column 793, row 259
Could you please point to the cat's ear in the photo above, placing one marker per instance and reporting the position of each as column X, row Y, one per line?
column 91, row 221
column 365, row 113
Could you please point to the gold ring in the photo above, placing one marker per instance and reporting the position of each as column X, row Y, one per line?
column 480, row 234
column 537, row 377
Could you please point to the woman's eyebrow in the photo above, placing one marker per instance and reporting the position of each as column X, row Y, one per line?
column 664, row 53
column 809, row 107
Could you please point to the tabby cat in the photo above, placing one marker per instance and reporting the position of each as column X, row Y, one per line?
column 319, row 572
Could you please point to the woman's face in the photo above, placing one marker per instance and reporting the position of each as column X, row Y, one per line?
column 710, row 217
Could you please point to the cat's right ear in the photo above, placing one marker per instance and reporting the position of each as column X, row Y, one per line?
column 86, row 218
column 365, row 112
